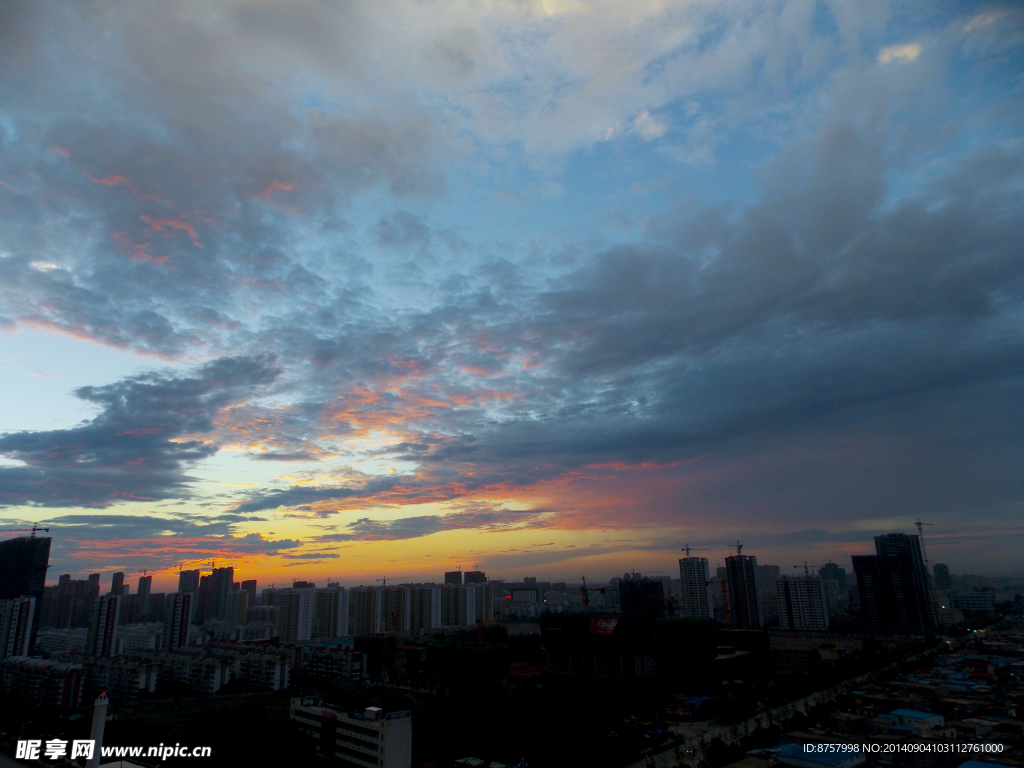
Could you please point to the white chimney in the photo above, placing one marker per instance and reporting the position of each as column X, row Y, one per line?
column 99, row 722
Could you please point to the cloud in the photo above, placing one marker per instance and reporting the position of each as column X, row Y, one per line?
column 899, row 53
column 149, row 429
column 481, row 518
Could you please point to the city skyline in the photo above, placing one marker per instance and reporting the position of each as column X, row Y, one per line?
column 536, row 288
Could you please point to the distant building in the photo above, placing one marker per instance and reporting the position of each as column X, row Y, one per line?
column 62, row 640
column 453, row 577
column 641, row 596
column 188, row 581
column 802, row 603
column 331, row 614
column 236, row 606
column 103, row 632
column 177, row 620
column 249, row 585
column 768, row 597
column 694, row 580
column 222, row 584
column 145, row 590
column 973, row 601
column 296, row 618
column 362, row 611
column 894, row 544
column 474, row 577
column 744, row 603
column 369, row 739
column 117, row 584
column 940, row 571
column 833, row 581
column 893, row 586
column 530, row 581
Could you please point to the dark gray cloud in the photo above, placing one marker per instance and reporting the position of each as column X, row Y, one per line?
column 483, row 518
column 137, row 447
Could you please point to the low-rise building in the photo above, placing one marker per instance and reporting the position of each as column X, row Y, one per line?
column 368, row 739
column 45, row 681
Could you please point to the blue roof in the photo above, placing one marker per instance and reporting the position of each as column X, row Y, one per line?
column 913, row 713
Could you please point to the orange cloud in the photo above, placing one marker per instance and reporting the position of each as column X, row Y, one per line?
column 173, row 224
column 60, row 151
column 276, row 185
column 138, row 250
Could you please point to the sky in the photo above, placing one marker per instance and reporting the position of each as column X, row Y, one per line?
column 338, row 290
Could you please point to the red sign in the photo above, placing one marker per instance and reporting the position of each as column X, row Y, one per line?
column 601, row 625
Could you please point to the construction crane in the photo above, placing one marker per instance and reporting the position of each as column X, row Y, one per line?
column 739, row 548
column 33, row 529
column 807, row 568
column 688, row 548
column 920, row 537
column 384, row 581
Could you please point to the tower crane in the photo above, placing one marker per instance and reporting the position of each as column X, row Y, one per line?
column 687, row 549
column 807, row 568
column 384, row 581
column 920, row 537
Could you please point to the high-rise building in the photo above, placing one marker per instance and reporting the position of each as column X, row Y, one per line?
column 453, row 577
column 249, row 586
column 767, row 575
column 362, row 611
column 424, row 607
column 221, row 585
column 694, row 580
column 103, row 632
column 393, row 609
column 890, row 598
column 834, row 572
column 237, row 606
column 474, row 577
column 802, row 603
column 942, row 578
column 900, row 543
column 23, row 564
column 188, row 581
column 297, row 607
column 744, row 604
column 833, row 581
column 641, row 596
column 330, row 618
column 177, row 619
column 145, row 587
column 17, row 619
column 117, row 584
column 894, row 591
